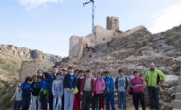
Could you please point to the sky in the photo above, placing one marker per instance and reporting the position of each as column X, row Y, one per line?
column 47, row 25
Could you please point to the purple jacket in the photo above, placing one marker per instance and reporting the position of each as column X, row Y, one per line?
column 99, row 86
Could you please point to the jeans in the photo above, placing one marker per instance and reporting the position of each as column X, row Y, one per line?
column 139, row 97
column 57, row 98
column 17, row 105
column 153, row 93
column 34, row 100
column 68, row 100
column 86, row 99
column 43, row 100
column 25, row 102
column 110, row 98
column 122, row 100
column 50, row 99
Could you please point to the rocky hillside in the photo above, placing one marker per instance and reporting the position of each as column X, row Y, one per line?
column 11, row 58
column 28, row 54
column 136, row 50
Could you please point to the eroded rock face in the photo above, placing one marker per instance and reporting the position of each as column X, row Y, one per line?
column 28, row 54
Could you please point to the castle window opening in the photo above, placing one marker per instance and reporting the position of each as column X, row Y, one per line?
column 115, row 19
column 103, row 39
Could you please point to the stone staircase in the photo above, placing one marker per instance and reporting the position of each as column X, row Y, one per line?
column 177, row 101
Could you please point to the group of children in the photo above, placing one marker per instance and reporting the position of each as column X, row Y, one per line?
column 76, row 90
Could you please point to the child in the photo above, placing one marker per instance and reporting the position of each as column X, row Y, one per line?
column 99, row 90
column 77, row 96
column 38, row 104
column 64, row 72
column 26, row 93
column 138, row 84
column 17, row 96
column 121, row 86
column 35, row 87
column 87, row 90
column 50, row 80
column 109, row 81
column 57, row 91
column 70, row 83
column 44, row 91
column 103, row 98
column 93, row 100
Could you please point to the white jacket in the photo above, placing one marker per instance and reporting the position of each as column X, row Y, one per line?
column 17, row 95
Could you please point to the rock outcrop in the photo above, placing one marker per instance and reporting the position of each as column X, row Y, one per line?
column 28, row 54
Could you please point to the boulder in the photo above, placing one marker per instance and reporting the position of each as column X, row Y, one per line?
column 172, row 80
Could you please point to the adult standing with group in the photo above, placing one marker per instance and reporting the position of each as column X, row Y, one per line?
column 152, row 77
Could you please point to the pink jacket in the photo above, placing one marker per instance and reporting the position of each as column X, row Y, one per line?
column 99, row 86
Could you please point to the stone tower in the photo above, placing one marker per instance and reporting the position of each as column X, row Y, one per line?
column 112, row 23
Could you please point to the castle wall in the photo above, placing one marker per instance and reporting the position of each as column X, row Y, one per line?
column 103, row 35
column 89, row 40
column 30, row 68
column 73, row 41
column 134, row 30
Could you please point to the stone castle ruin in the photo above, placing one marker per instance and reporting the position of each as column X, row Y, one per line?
column 79, row 46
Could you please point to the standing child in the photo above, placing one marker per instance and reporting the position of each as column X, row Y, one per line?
column 57, row 91
column 99, row 90
column 121, row 86
column 44, row 91
column 17, row 96
column 87, row 90
column 77, row 100
column 64, row 72
column 35, row 87
column 94, row 101
column 50, row 80
column 138, row 85
column 26, row 93
column 109, row 81
column 70, row 83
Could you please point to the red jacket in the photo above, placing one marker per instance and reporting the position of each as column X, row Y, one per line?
column 92, row 85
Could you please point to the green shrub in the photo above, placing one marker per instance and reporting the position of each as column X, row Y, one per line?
column 144, row 43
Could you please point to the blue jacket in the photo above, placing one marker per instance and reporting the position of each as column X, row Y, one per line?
column 25, row 89
column 109, row 83
column 50, row 80
column 43, row 84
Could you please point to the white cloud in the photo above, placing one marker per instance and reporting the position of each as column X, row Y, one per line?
column 166, row 19
column 35, row 3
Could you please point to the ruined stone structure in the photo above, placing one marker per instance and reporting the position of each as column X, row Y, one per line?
column 112, row 23
column 78, row 46
column 29, row 68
